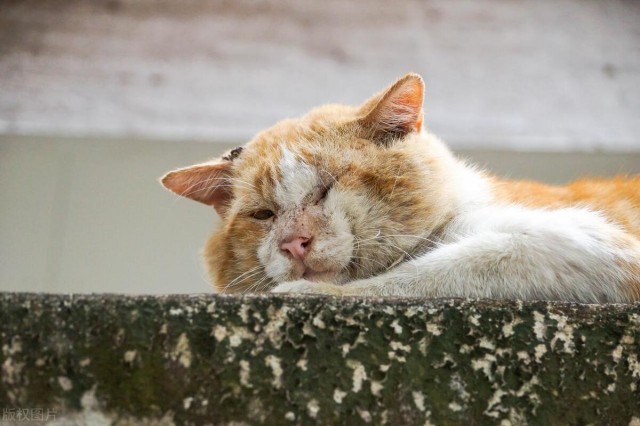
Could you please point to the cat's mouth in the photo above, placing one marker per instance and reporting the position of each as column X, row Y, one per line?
column 313, row 275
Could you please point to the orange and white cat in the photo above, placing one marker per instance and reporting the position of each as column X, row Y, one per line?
column 363, row 201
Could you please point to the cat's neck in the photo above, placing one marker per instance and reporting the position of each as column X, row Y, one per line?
column 467, row 187
column 452, row 191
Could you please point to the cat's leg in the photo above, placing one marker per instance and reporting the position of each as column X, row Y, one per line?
column 540, row 261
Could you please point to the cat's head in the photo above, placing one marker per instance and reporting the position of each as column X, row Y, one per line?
column 338, row 194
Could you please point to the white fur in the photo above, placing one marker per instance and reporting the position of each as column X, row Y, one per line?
column 514, row 252
column 276, row 266
column 298, row 180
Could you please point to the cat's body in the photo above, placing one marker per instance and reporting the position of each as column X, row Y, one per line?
column 363, row 201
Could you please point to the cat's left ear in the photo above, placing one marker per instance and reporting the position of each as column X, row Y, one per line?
column 208, row 183
column 395, row 112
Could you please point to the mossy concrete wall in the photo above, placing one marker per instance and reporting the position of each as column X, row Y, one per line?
column 208, row 359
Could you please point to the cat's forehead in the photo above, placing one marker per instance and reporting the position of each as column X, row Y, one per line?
column 284, row 175
column 319, row 129
column 295, row 157
column 285, row 147
column 297, row 178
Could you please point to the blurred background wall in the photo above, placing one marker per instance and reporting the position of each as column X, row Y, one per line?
column 99, row 98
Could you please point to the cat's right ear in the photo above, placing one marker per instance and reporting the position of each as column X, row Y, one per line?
column 396, row 111
column 208, row 183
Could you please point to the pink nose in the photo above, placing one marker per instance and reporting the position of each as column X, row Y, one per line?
column 298, row 247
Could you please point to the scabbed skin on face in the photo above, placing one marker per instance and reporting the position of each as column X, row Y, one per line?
column 357, row 182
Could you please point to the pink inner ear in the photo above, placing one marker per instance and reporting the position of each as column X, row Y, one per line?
column 207, row 183
column 400, row 108
column 405, row 105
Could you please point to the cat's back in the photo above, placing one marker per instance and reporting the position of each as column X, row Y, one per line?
column 617, row 198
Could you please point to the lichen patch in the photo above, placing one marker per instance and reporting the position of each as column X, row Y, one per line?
column 484, row 364
column 397, row 328
column 616, row 354
column 130, row 356
column 434, row 329
column 313, row 407
column 186, row 403
column 539, row 352
column 539, row 326
column 564, row 333
column 65, row 383
column 182, row 351
column 245, row 373
column 277, row 319
column 507, row 328
column 359, row 374
column 485, row 343
column 493, row 405
column 338, row 396
column 318, row 322
column 418, row 400
column 219, row 332
column 376, row 387
column 365, row 415
column 399, row 346
column 275, row 364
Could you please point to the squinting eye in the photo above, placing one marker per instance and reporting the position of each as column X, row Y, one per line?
column 324, row 193
column 263, row 214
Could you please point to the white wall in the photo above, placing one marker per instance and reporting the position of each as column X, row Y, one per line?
column 561, row 75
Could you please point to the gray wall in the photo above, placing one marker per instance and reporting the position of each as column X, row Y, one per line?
column 88, row 215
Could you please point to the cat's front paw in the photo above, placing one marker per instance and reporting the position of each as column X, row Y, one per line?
column 308, row 287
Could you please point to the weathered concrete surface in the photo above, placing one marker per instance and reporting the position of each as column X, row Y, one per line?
column 277, row 360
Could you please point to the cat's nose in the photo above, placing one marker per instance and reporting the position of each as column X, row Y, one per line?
column 298, row 247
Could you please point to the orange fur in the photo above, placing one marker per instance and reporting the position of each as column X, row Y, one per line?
column 618, row 198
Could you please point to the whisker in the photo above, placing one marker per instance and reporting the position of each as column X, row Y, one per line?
column 359, row 241
column 254, row 286
column 253, row 271
column 396, row 181
column 371, row 260
column 220, row 178
column 413, row 236
column 210, row 187
column 330, row 174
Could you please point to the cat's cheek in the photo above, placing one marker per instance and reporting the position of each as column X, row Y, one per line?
column 344, row 211
column 307, row 287
column 356, row 208
column 335, row 246
column 276, row 266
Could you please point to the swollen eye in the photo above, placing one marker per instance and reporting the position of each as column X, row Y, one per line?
column 263, row 214
column 324, row 193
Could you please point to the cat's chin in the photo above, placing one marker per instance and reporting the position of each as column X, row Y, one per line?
column 328, row 276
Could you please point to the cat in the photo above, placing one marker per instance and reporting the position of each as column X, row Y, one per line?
column 364, row 201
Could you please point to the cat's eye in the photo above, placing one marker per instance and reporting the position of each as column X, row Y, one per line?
column 263, row 214
column 323, row 194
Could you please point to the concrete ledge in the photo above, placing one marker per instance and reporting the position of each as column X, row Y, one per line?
column 277, row 360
